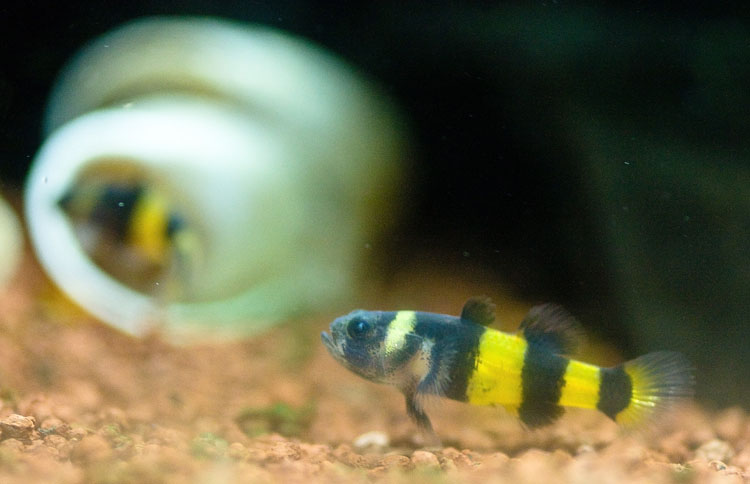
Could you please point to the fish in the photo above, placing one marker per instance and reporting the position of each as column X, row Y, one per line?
column 530, row 372
column 130, row 230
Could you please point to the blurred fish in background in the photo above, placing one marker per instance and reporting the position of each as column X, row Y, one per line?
column 210, row 177
column 131, row 231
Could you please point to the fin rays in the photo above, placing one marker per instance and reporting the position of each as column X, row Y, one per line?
column 659, row 380
column 552, row 327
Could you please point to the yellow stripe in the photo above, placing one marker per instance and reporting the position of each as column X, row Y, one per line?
column 496, row 379
column 148, row 227
column 643, row 401
column 401, row 325
column 581, row 387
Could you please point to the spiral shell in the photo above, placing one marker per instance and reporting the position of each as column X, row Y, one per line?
column 11, row 243
column 279, row 155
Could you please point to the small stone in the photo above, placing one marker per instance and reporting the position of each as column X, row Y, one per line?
column 315, row 453
column 92, row 448
column 374, row 439
column 256, row 455
column 472, row 455
column 717, row 465
column 14, row 445
column 585, row 449
column 496, row 460
column 345, row 455
column 77, row 433
column 55, row 440
column 39, row 449
column 114, row 415
column 60, row 443
column 18, row 427
column 284, row 451
column 458, row 458
column 422, row 458
column 448, row 465
column 715, row 450
column 528, row 464
column 54, row 425
column 561, row 458
column 38, row 406
column 396, row 461
column 377, row 472
column 372, row 460
column 237, row 451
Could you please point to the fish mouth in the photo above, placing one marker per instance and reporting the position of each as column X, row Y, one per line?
column 326, row 339
column 329, row 343
column 334, row 348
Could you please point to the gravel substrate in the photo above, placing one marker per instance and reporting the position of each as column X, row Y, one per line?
column 82, row 403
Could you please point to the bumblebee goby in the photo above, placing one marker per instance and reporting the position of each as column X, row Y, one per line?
column 131, row 231
column 527, row 372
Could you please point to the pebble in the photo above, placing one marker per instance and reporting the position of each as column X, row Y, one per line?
column 92, row 448
column 347, row 456
column 371, row 439
column 528, row 463
column 497, row 460
column 39, row 406
column 715, row 450
column 54, row 425
column 77, row 433
column 315, row 453
column 422, row 458
column 458, row 458
column 237, row 451
column 585, row 449
column 396, row 461
column 18, row 427
column 114, row 415
column 284, row 451
column 377, row 472
column 14, row 445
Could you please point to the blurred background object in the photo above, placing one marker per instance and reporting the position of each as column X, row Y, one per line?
column 596, row 156
column 209, row 177
column 11, row 243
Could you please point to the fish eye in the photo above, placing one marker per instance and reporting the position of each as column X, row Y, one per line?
column 359, row 328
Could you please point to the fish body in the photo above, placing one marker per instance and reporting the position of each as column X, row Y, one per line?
column 528, row 372
column 131, row 231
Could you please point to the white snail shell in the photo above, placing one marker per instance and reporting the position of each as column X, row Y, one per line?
column 11, row 243
column 285, row 157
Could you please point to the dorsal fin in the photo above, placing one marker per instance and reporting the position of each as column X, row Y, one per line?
column 553, row 327
column 480, row 310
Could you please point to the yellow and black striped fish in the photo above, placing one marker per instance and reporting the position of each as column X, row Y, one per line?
column 131, row 231
column 527, row 372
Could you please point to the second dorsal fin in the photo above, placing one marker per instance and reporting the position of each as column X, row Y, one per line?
column 553, row 327
column 480, row 310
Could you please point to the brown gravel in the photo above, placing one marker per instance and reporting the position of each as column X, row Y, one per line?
column 80, row 402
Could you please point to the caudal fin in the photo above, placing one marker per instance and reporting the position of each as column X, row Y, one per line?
column 636, row 390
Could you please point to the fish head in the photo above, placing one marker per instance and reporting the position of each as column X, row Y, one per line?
column 356, row 341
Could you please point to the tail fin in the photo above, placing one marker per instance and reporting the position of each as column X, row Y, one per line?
column 634, row 391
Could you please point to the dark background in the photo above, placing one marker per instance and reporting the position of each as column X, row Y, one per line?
column 596, row 156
